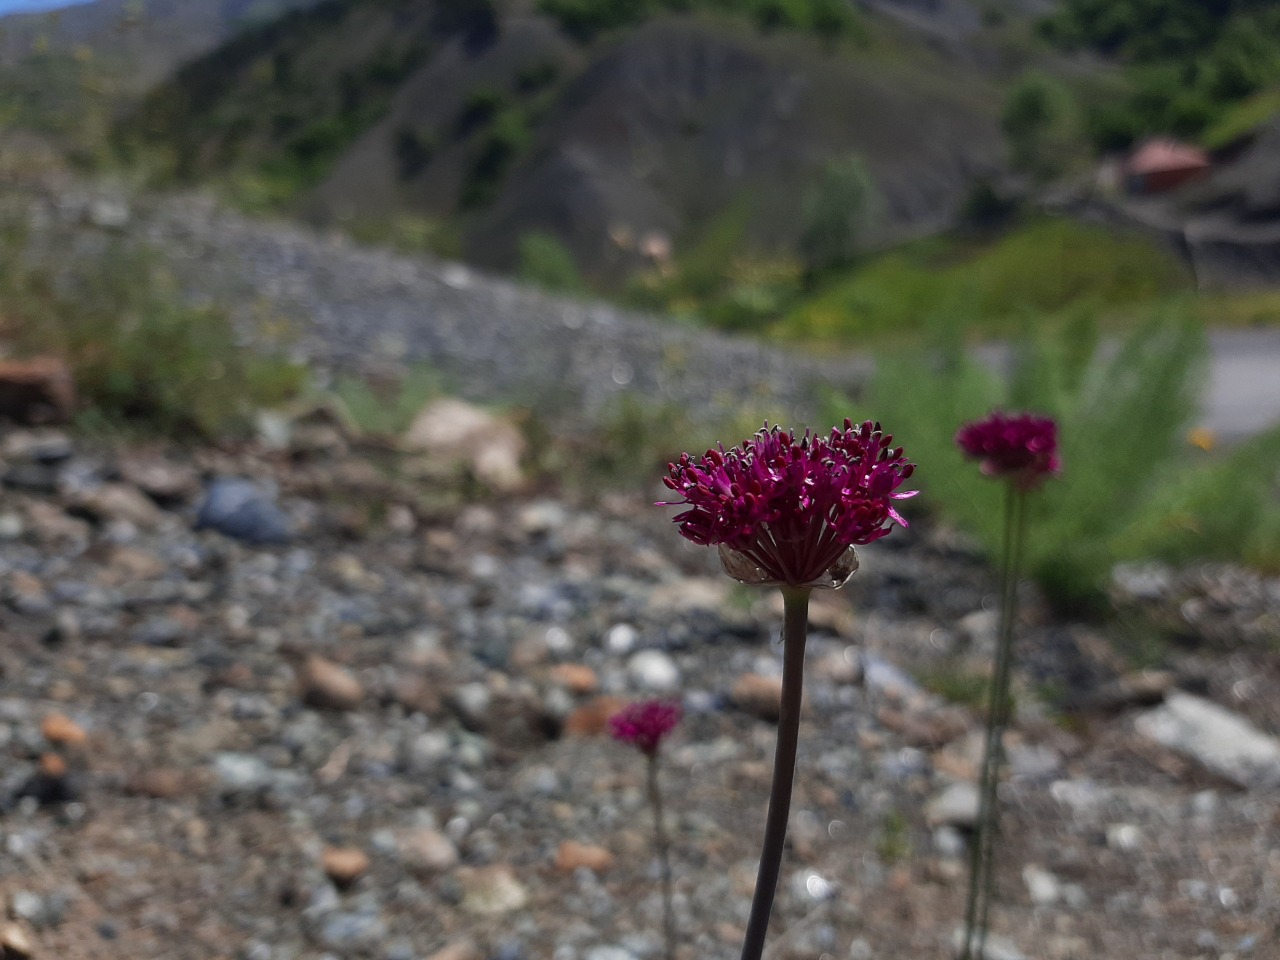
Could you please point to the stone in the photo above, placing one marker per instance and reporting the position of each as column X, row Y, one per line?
column 1141, row 688
column 688, row 594
column 839, row 666
column 127, row 564
column 471, row 702
column 888, row 680
column 344, row 865
column 592, row 718
column 454, row 431
column 571, row 855
column 15, row 943
column 159, row 783
column 929, row 728
column 492, row 891
column 61, row 730
column 43, row 445
column 1143, row 581
column 955, row 806
column 27, row 595
column 325, row 685
column 996, row 947
column 352, row 932
column 1042, row 886
column 653, row 671
column 1219, row 740
column 1125, row 837
column 979, row 629
column 241, row 773
column 425, row 851
column 458, row 950
column 119, row 501
column 242, row 510
column 160, row 479
column 51, row 524
column 38, row 390
column 609, row 952
column 758, row 695
column 575, row 677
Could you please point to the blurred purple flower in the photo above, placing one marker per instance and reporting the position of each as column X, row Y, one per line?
column 644, row 724
column 1021, row 446
column 788, row 511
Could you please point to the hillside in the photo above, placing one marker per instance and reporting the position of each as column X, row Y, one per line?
column 151, row 38
column 499, row 127
column 68, row 74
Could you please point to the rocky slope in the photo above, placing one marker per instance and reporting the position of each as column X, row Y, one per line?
column 379, row 734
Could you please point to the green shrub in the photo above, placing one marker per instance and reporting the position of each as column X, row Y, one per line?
column 409, row 233
column 1220, row 509
column 991, row 288
column 837, row 211
column 387, row 407
column 508, row 137
column 547, row 262
column 480, row 107
column 141, row 357
column 1039, row 125
column 585, row 19
column 1122, row 416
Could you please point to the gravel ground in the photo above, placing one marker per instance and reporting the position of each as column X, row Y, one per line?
column 340, row 305
column 382, row 738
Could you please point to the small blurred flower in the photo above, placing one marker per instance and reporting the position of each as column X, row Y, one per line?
column 787, row 511
column 645, row 724
column 1022, row 447
column 1202, row 438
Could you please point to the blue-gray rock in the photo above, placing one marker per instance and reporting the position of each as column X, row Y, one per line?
column 244, row 511
column 343, row 931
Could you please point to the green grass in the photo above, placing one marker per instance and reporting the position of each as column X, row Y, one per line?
column 142, row 358
column 955, row 684
column 1129, row 480
column 387, row 407
column 1241, row 119
column 1225, row 508
column 1251, row 308
column 990, row 288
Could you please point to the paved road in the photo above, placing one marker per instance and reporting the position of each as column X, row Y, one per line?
column 1243, row 395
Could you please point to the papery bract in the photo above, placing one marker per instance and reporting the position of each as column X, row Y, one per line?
column 1022, row 447
column 646, row 723
column 787, row 511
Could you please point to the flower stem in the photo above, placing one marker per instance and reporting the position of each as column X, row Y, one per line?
column 795, row 624
column 664, row 858
column 982, row 854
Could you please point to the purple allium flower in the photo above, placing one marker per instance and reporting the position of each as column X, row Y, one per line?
column 1020, row 446
column 645, row 723
column 787, row 511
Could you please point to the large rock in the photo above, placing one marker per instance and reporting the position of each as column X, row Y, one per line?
column 244, row 511
column 39, row 390
column 453, row 431
column 1219, row 740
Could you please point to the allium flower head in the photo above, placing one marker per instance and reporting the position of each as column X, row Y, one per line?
column 1021, row 446
column 645, row 723
column 789, row 511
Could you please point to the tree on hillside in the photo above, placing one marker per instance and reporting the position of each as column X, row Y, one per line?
column 836, row 214
column 1036, row 124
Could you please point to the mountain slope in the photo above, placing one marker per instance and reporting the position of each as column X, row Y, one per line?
column 500, row 125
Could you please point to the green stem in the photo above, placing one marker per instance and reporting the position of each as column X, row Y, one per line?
column 795, row 624
column 982, row 852
column 664, row 858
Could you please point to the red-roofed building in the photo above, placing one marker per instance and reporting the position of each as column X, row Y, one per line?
column 1162, row 164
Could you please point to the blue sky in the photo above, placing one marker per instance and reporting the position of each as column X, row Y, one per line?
column 26, row 6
